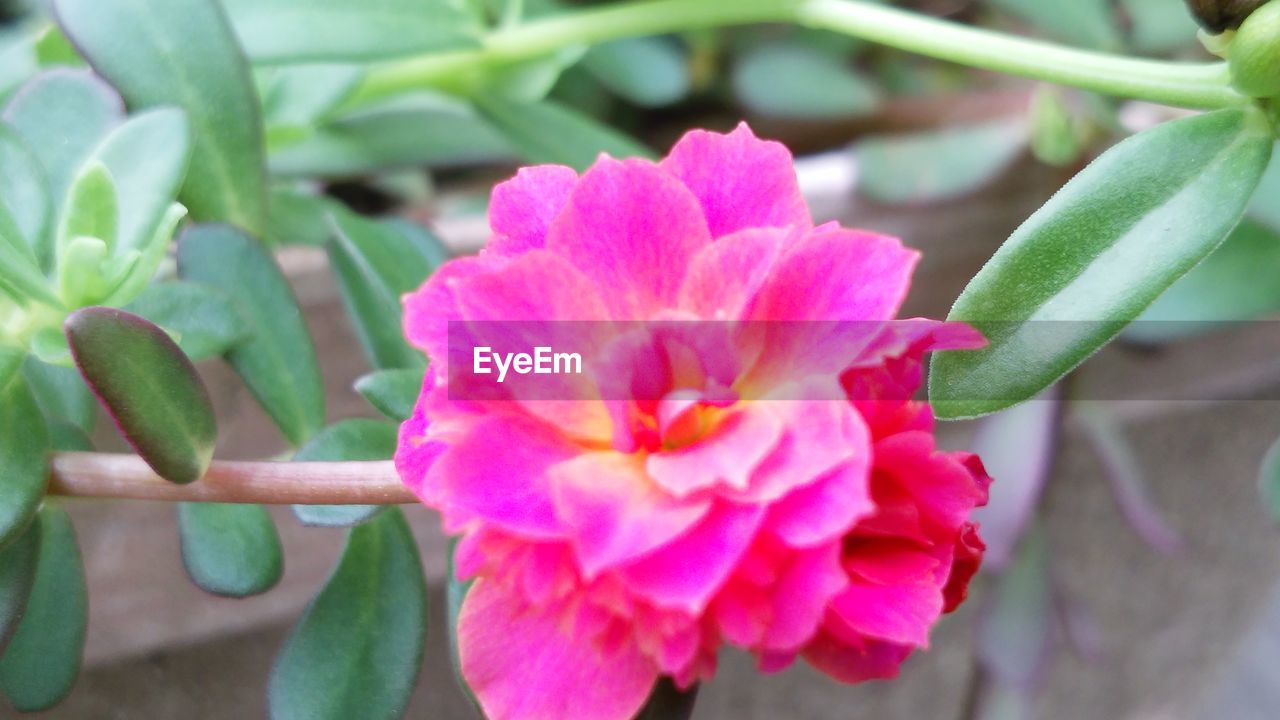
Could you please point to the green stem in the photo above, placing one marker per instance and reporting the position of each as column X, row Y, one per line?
column 1193, row 85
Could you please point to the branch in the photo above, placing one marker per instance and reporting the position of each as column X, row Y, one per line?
column 102, row 475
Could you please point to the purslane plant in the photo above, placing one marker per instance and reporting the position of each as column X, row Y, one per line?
column 227, row 100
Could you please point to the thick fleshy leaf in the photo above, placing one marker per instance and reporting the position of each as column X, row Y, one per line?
column 230, row 550
column 62, row 115
column 455, row 592
column 650, row 72
column 43, row 658
column 1015, row 627
column 62, row 394
column 183, row 53
column 939, row 164
column 149, row 388
column 17, row 574
column 1223, row 288
column 356, row 439
column 299, row 218
column 1089, row 261
column 375, row 264
column 91, row 209
column 1159, row 26
column 545, row 132
column 391, row 392
column 798, row 81
column 25, row 193
column 390, row 136
column 290, row 31
column 279, row 362
column 1083, row 22
column 357, row 649
column 20, row 276
column 203, row 320
column 1265, row 207
column 24, row 450
column 146, row 157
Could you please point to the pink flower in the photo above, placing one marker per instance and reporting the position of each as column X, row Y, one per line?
column 762, row 480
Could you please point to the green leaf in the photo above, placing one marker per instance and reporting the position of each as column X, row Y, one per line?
column 390, row 136
column 24, row 452
column 795, row 81
column 147, row 159
column 203, row 320
column 91, row 208
column 937, row 165
column 357, row 439
column 357, row 650
column 1223, row 288
column 1269, row 482
column 1089, row 261
column 43, row 658
column 183, row 53
column 149, row 388
column 24, row 195
column 20, row 275
column 18, row 561
column 299, row 218
column 546, row 132
column 1265, row 207
column 392, row 392
column 61, row 394
column 230, row 550
column 455, row 592
column 1083, row 22
column 650, row 72
column 290, row 31
column 1159, row 26
column 278, row 363
column 302, row 95
column 375, row 264
column 62, row 115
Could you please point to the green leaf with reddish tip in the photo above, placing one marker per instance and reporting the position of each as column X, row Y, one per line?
column 203, row 320
column 392, row 392
column 183, row 53
column 356, row 439
column 18, row 561
column 1097, row 254
column 278, row 363
column 43, row 658
column 357, row 650
column 230, row 550
column 375, row 264
column 24, row 451
column 149, row 387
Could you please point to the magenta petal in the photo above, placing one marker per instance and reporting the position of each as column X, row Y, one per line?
column 686, row 573
column 415, row 452
column 634, row 230
column 724, row 278
column 741, row 180
column 897, row 613
column 615, row 512
column 535, row 664
column 869, row 660
column 801, row 597
column 498, row 472
column 826, row 509
column 522, row 208
column 429, row 309
column 727, row 455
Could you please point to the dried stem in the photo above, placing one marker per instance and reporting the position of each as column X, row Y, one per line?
column 102, row 475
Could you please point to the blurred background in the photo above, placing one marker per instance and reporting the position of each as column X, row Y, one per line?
column 1133, row 564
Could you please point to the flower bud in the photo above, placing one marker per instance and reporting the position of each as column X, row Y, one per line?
column 1255, row 53
column 1221, row 15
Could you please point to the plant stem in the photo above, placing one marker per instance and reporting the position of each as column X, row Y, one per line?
column 1193, row 85
column 102, row 475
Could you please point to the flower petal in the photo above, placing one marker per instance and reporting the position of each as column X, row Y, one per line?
column 823, row 510
column 634, row 230
column 728, row 455
column 522, row 208
column 724, row 277
column 534, row 664
column 741, row 180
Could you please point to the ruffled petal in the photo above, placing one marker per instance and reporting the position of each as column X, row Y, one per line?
column 823, row 510
column 633, row 229
column 522, row 208
column 527, row 663
column 724, row 277
column 740, row 180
